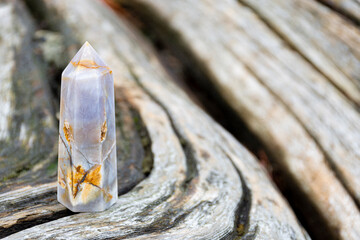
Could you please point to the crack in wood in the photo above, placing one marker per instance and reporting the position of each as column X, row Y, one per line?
column 242, row 219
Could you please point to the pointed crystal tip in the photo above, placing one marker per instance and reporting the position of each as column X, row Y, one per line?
column 86, row 59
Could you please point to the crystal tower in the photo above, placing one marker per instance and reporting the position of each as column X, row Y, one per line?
column 87, row 174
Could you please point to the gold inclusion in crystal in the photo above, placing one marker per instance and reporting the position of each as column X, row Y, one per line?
column 87, row 176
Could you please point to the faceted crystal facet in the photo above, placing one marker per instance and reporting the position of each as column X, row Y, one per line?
column 87, row 175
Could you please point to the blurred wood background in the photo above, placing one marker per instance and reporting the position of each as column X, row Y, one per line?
column 235, row 119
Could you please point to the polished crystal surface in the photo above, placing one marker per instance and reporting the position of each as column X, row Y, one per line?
column 87, row 175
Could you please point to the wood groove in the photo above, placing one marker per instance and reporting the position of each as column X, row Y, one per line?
column 244, row 205
column 349, row 14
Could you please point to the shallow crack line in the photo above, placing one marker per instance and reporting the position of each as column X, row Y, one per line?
column 109, row 152
column 293, row 47
column 82, row 154
column 71, row 162
column 96, row 186
column 67, row 150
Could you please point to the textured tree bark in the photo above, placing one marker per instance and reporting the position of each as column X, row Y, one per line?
column 203, row 184
column 290, row 72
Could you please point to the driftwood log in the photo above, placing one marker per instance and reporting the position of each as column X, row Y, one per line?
column 203, row 184
column 290, row 71
column 180, row 174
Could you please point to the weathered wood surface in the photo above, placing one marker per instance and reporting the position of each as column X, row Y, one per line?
column 348, row 8
column 333, row 50
column 203, row 183
column 280, row 65
column 333, row 122
column 27, row 125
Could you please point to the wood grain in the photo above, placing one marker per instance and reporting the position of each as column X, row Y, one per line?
column 281, row 93
column 348, row 8
column 203, row 184
column 326, row 40
column 27, row 125
column 331, row 120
